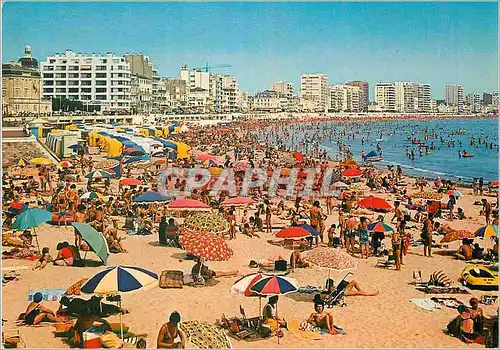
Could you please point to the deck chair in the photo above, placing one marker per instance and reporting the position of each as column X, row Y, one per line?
column 336, row 297
column 172, row 240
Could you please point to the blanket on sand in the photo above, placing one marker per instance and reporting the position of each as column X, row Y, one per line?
column 313, row 333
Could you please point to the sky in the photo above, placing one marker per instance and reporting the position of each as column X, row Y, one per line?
column 434, row 43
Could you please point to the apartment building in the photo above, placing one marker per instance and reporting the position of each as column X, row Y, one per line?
column 454, row 97
column 403, row 97
column 345, row 98
column 313, row 92
column 269, row 101
column 365, row 89
column 284, row 88
column 103, row 80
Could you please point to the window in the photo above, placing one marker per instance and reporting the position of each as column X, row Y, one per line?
column 48, row 90
column 60, row 68
column 48, row 75
column 52, row 61
column 100, row 97
column 61, row 90
column 86, row 75
column 100, row 90
column 86, row 97
column 73, row 90
column 104, row 60
column 100, row 75
column 100, row 67
column 49, row 83
column 100, row 82
column 89, row 90
column 73, row 68
column 85, row 82
column 60, row 75
column 73, row 75
column 60, row 82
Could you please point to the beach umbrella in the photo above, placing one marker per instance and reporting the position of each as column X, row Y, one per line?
column 130, row 151
column 95, row 240
column 76, row 147
column 150, row 197
column 16, row 205
column 238, row 201
column 293, row 232
column 310, row 229
column 331, row 259
column 493, row 184
column 130, row 182
column 207, row 156
column 242, row 286
column 352, row 172
column 21, row 162
column 379, row 226
column 120, row 279
column 98, row 174
column 215, row 171
column 298, row 156
column 454, row 193
column 206, row 246
column 456, row 235
column 187, row 204
column 206, row 222
column 374, row 203
column 41, row 161
column 209, row 163
column 65, row 164
column 32, row 218
column 91, row 195
column 274, row 285
column 487, row 231
column 340, row 184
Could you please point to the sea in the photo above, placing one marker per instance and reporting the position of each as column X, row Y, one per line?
column 394, row 139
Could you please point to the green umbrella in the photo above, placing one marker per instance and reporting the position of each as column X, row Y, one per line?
column 95, row 240
column 32, row 218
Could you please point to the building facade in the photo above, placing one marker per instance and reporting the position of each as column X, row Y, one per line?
column 403, row 97
column 141, row 95
column 22, row 89
column 269, row 101
column 93, row 79
column 143, row 68
column 345, row 98
column 284, row 88
column 365, row 89
column 313, row 92
column 473, row 103
column 454, row 97
column 176, row 94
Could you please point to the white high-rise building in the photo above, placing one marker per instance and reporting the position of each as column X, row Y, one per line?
column 403, row 97
column 284, row 88
column 345, row 98
column 473, row 102
column 93, row 79
column 313, row 92
column 454, row 97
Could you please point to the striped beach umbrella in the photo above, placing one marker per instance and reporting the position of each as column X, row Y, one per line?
column 379, row 226
column 487, row 231
column 119, row 279
column 455, row 193
column 65, row 164
column 243, row 285
column 274, row 285
column 21, row 162
column 91, row 195
column 310, row 229
column 98, row 174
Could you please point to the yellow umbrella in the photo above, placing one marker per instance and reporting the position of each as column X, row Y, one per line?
column 215, row 170
column 41, row 161
column 29, row 172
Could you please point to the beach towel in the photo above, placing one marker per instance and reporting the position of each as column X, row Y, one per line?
column 29, row 258
column 426, row 304
column 48, row 294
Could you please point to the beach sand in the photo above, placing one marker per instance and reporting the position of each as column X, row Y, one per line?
column 386, row 320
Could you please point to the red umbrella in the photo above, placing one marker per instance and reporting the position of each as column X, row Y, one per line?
column 352, row 172
column 238, row 201
column 374, row 203
column 206, row 246
column 494, row 183
column 293, row 232
column 16, row 205
column 298, row 156
column 208, row 156
column 187, row 204
column 130, row 182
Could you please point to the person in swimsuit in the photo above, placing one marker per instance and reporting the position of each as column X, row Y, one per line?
column 169, row 332
column 351, row 288
column 322, row 319
column 363, row 236
column 396, row 248
column 427, row 234
column 36, row 312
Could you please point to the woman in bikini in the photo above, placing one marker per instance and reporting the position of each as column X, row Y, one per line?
column 322, row 319
column 396, row 248
column 171, row 331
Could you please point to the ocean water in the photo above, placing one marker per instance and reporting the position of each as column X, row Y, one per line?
column 392, row 137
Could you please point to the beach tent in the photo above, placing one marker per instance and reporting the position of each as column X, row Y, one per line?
column 183, row 150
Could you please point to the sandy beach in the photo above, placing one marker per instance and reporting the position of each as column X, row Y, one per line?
column 387, row 320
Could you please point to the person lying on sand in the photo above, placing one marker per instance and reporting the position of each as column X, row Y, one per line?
column 352, row 288
column 201, row 269
column 322, row 319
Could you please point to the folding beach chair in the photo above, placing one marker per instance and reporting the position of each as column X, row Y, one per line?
column 337, row 296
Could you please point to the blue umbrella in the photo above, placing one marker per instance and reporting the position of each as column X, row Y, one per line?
column 32, row 218
column 310, row 229
column 75, row 147
column 151, row 196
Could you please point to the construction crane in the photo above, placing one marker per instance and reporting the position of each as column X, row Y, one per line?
column 207, row 67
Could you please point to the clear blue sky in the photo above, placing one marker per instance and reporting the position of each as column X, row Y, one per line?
column 436, row 43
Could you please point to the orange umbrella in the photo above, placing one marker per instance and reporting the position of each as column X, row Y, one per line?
column 206, row 246
column 374, row 203
column 457, row 235
column 298, row 156
column 352, row 172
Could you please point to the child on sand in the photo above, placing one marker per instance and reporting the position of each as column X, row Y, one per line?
column 44, row 260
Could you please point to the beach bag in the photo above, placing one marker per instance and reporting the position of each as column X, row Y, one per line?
column 171, row 279
column 280, row 265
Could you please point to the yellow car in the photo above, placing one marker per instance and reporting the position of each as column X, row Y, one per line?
column 479, row 277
